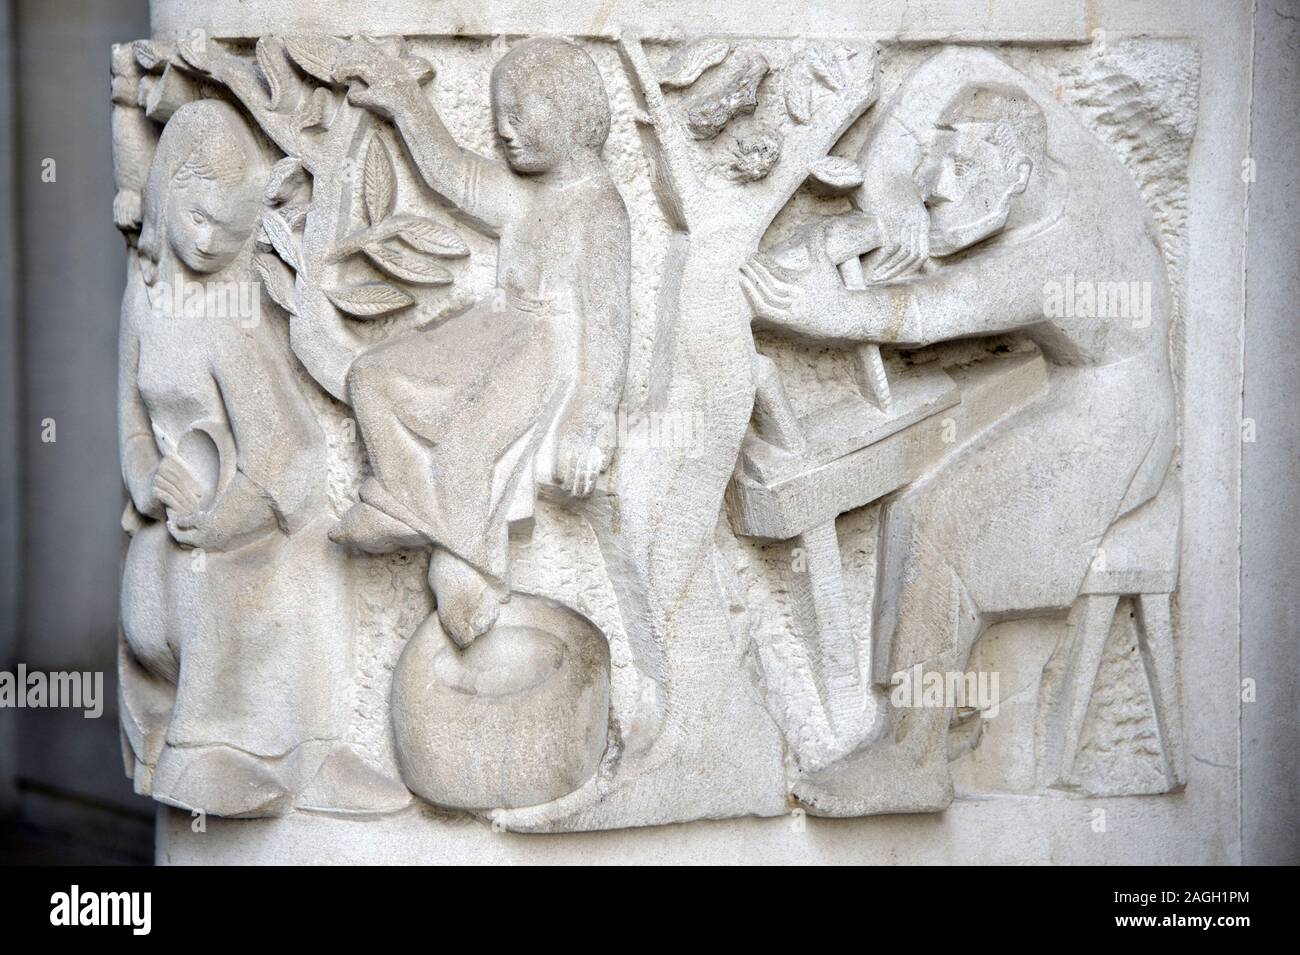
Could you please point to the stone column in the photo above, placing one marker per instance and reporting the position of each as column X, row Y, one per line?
column 444, row 331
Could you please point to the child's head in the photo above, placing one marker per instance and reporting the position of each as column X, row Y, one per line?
column 549, row 102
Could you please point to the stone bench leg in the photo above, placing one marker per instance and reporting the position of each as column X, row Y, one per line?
column 1065, row 708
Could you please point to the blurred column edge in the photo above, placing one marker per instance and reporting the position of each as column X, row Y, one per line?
column 10, row 479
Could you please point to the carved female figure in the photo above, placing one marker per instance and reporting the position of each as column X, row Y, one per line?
column 236, row 631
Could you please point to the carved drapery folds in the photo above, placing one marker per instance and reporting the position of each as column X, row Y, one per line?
column 598, row 432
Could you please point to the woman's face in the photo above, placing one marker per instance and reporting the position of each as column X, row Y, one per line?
column 208, row 223
column 529, row 126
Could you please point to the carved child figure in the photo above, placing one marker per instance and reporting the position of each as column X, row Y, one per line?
column 462, row 421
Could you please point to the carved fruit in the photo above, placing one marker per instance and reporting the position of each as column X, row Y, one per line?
column 736, row 93
column 753, row 157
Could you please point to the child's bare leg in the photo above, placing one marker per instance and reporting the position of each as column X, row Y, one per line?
column 468, row 601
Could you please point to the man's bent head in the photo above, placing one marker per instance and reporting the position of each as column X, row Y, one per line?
column 988, row 141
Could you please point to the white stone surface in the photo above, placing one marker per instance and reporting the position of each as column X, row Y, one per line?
column 750, row 647
column 988, row 831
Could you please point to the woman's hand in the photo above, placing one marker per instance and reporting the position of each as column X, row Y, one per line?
column 238, row 514
column 176, row 488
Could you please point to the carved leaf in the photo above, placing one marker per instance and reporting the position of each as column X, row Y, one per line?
column 835, row 174
column 286, row 177
column 433, row 238
column 152, row 55
column 824, row 65
column 168, row 93
column 199, row 52
column 278, row 281
column 314, row 112
column 280, row 238
column 798, row 92
column 688, row 63
column 407, row 264
column 378, row 186
column 270, row 64
column 315, row 53
column 370, row 299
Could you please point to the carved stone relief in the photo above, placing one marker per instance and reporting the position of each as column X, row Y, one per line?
column 591, row 434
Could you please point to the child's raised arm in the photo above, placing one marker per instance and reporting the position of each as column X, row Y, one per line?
column 481, row 189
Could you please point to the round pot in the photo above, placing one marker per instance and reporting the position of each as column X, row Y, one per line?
column 518, row 718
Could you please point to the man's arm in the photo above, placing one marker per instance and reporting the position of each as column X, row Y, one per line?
column 992, row 290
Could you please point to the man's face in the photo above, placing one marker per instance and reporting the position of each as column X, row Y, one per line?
column 965, row 180
column 528, row 126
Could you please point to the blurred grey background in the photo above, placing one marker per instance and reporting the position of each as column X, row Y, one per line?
column 63, row 797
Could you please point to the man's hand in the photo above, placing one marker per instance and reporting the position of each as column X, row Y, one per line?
column 809, row 302
column 814, row 304
column 379, row 81
column 584, row 450
column 772, row 292
column 905, row 230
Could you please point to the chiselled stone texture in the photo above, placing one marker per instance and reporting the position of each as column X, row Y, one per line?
column 615, row 430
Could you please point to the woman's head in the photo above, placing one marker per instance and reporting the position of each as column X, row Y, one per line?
column 549, row 102
column 203, row 195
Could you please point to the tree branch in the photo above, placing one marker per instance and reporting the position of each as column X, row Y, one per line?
column 676, row 183
column 240, row 77
column 805, row 145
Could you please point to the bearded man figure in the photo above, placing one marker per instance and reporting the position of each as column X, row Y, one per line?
column 979, row 192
